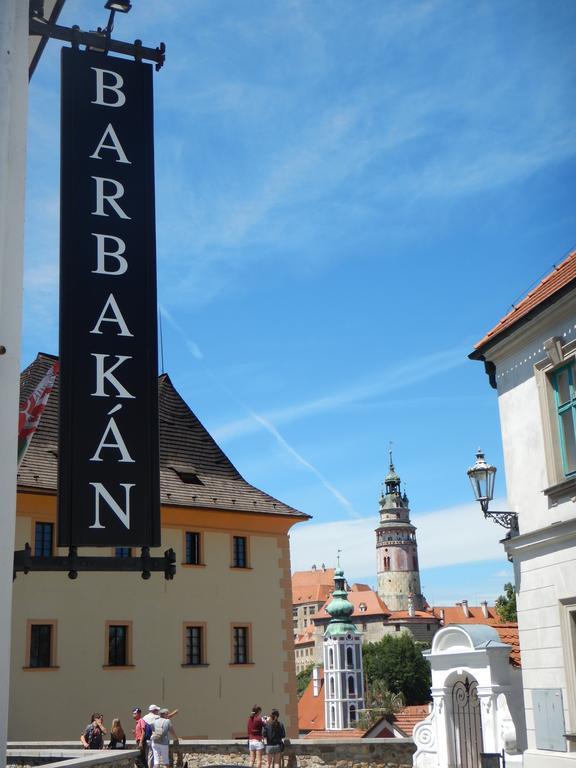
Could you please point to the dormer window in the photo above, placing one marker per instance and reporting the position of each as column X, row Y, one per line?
column 363, row 607
column 188, row 475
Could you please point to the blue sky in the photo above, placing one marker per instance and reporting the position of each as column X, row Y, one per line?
column 349, row 194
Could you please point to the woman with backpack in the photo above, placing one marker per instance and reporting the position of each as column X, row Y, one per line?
column 93, row 736
column 275, row 735
column 162, row 729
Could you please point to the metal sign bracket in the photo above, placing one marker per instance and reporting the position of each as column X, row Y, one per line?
column 24, row 562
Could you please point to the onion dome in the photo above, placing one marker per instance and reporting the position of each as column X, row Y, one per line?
column 340, row 609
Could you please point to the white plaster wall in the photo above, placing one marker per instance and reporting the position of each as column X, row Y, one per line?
column 521, row 419
column 545, row 580
column 544, row 561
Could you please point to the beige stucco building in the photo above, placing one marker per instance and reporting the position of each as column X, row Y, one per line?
column 212, row 642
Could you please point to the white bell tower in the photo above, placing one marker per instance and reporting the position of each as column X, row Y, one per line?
column 343, row 677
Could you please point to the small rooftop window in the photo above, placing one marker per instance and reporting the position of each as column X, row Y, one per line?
column 188, row 475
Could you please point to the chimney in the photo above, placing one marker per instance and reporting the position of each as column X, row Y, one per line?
column 442, row 615
column 323, row 567
column 411, row 611
column 465, row 608
column 485, row 613
column 314, row 567
column 316, row 681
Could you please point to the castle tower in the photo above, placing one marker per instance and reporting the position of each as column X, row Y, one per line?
column 343, row 678
column 397, row 550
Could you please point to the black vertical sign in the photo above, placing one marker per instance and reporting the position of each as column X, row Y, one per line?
column 108, row 434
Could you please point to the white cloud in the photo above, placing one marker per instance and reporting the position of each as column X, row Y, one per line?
column 450, row 536
column 398, row 377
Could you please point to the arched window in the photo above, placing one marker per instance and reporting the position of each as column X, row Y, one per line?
column 351, row 686
column 331, row 658
column 333, row 716
column 332, row 688
column 349, row 657
column 352, row 713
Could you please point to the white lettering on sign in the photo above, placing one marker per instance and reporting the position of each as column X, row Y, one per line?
column 106, row 374
column 122, row 514
column 115, row 146
column 101, row 198
column 119, row 445
column 112, row 305
column 115, row 88
column 102, row 253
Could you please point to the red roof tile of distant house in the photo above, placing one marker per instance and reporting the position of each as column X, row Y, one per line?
column 314, row 586
column 365, row 602
column 311, row 708
column 305, row 637
column 457, row 614
column 396, row 615
column 509, row 635
column 409, row 717
column 562, row 278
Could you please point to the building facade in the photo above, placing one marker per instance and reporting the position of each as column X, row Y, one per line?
column 220, row 631
column 398, row 573
column 530, row 357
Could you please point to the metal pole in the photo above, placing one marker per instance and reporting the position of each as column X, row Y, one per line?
column 13, row 116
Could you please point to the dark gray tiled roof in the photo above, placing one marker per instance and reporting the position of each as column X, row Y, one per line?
column 186, row 451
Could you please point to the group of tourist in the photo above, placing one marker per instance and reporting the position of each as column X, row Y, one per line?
column 151, row 733
column 262, row 728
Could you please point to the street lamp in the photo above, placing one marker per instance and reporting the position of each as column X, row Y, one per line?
column 118, row 5
column 482, row 476
column 115, row 6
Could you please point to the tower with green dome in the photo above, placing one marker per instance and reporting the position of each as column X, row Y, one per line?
column 343, row 678
column 397, row 549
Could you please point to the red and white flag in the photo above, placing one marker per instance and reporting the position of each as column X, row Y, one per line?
column 32, row 410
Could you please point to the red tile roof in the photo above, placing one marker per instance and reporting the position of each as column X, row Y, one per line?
column 314, row 586
column 311, row 708
column 509, row 635
column 374, row 605
column 454, row 614
column 560, row 278
column 409, row 717
column 508, row 631
column 417, row 615
column 306, row 637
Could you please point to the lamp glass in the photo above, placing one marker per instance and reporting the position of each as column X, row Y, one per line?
column 121, row 6
column 482, row 476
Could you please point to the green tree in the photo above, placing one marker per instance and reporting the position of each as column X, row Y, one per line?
column 399, row 667
column 506, row 604
column 303, row 678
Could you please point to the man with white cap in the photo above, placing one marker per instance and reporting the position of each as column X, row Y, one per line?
column 153, row 714
column 160, row 739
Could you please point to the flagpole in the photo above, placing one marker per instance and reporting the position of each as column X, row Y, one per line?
column 13, row 116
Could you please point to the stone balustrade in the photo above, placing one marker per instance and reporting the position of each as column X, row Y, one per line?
column 299, row 753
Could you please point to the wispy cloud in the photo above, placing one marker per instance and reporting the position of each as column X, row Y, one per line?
column 444, row 538
column 394, row 378
column 258, row 419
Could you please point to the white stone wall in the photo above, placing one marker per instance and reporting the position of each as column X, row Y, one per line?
column 544, row 553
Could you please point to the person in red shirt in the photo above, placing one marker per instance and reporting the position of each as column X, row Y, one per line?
column 255, row 742
column 139, row 735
